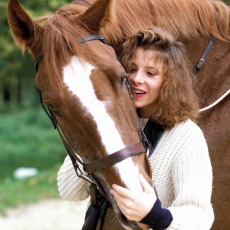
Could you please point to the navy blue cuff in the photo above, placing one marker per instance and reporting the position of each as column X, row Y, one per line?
column 158, row 218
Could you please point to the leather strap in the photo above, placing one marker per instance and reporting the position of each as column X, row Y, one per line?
column 92, row 193
column 114, row 158
column 37, row 60
column 201, row 61
column 91, row 37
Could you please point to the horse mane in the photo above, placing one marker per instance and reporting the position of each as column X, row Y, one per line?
column 185, row 19
column 59, row 42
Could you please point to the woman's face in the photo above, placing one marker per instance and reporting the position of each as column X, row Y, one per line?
column 146, row 79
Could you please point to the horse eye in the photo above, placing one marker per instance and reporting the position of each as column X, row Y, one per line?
column 126, row 81
column 123, row 80
column 53, row 110
column 51, row 107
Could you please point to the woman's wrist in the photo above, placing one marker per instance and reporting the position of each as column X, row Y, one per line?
column 158, row 218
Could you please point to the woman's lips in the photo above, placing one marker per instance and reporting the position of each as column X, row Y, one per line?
column 138, row 93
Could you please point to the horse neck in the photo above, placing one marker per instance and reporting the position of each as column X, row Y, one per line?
column 213, row 80
column 132, row 16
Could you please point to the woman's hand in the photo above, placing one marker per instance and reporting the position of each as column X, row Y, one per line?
column 135, row 205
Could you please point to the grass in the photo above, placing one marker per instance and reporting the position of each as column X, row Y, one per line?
column 16, row 192
column 27, row 139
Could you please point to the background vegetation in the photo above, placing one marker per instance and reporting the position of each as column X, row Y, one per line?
column 27, row 138
column 16, row 70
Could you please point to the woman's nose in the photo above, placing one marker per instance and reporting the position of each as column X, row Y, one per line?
column 137, row 77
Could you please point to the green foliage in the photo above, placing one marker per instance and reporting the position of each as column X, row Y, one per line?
column 17, row 70
column 43, row 7
column 27, row 139
column 16, row 192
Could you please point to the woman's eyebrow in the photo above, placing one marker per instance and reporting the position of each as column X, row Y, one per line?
column 152, row 68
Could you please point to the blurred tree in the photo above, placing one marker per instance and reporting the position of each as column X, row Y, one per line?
column 17, row 70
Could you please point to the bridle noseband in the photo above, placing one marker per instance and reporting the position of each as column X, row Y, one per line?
column 102, row 163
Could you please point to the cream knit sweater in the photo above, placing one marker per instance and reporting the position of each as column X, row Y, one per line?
column 182, row 175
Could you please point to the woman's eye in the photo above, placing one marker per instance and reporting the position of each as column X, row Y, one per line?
column 151, row 73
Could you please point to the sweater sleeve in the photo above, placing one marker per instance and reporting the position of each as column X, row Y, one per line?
column 70, row 186
column 158, row 218
column 192, row 179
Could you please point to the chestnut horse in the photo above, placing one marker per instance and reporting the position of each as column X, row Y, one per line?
column 193, row 22
column 86, row 94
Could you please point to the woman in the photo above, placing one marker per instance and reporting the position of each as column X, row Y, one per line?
column 163, row 95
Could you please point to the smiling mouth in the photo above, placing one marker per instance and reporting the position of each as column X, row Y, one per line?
column 138, row 93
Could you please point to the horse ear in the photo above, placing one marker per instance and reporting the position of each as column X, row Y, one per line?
column 22, row 26
column 98, row 14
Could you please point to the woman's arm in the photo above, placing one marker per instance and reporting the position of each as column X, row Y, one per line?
column 192, row 180
column 70, row 186
column 185, row 166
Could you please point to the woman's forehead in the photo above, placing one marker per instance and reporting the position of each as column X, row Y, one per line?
column 148, row 57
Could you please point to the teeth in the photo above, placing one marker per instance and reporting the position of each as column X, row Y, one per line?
column 137, row 91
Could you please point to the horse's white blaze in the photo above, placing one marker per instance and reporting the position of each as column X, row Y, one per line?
column 76, row 76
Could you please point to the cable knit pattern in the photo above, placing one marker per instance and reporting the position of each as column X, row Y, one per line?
column 182, row 175
column 70, row 186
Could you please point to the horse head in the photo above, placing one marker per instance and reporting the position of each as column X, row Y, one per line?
column 84, row 86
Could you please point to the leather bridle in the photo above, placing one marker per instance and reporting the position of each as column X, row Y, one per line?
column 199, row 66
column 200, row 63
column 102, row 163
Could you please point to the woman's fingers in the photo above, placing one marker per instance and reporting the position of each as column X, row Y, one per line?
column 147, row 188
column 118, row 196
column 134, row 205
column 145, row 185
column 120, row 190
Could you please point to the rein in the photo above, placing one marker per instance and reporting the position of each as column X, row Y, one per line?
column 104, row 162
column 216, row 102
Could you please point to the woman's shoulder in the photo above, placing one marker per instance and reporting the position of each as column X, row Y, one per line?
column 187, row 128
column 184, row 138
column 185, row 133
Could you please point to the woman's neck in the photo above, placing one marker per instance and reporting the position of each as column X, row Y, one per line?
column 144, row 113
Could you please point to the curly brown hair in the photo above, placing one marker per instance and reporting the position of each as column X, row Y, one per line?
column 177, row 101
